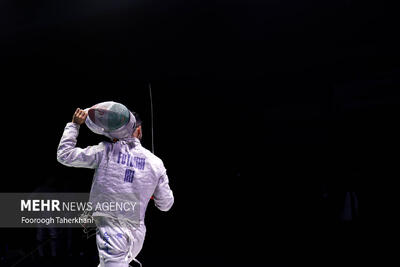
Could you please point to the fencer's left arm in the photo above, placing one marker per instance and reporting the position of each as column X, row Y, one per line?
column 70, row 155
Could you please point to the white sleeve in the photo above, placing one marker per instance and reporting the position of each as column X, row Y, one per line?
column 69, row 155
column 163, row 196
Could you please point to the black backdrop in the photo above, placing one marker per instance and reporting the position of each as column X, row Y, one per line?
column 260, row 106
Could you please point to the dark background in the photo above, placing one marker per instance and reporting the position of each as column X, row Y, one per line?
column 266, row 113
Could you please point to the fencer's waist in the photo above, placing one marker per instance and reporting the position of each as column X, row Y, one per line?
column 118, row 219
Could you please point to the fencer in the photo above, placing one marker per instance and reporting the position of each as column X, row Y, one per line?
column 123, row 169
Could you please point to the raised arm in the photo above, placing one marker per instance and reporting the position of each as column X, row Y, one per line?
column 70, row 155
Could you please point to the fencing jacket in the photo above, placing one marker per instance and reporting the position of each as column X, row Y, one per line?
column 124, row 172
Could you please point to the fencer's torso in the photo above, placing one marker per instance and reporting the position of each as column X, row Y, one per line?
column 127, row 173
column 124, row 172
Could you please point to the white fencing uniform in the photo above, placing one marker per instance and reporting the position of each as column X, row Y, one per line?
column 124, row 170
